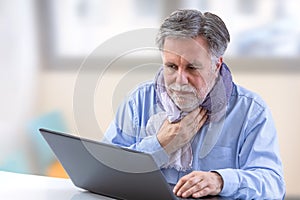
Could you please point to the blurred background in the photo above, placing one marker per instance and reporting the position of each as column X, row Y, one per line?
column 44, row 43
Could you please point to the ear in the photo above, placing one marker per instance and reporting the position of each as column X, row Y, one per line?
column 218, row 64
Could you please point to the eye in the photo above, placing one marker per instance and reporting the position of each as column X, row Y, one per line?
column 171, row 66
column 192, row 67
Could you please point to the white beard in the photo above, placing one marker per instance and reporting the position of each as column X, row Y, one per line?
column 186, row 102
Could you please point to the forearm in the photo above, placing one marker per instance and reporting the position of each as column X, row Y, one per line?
column 252, row 184
column 148, row 144
column 151, row 145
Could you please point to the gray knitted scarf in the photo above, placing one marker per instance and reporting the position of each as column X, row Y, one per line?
column 215, row 103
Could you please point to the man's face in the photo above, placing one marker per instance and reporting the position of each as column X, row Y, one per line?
column 188, row 71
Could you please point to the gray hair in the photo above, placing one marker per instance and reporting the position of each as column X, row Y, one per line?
column 192, row 23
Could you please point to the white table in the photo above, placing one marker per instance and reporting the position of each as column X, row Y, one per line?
column 15, row 186
column 32, row 187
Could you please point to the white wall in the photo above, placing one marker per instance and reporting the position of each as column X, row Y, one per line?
column 282, row 93
column 18, row 70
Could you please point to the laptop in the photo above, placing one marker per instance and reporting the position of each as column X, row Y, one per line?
column 107, row 169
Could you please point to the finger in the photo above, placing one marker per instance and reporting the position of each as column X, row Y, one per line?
column 193, row 114
column 188, row 187
column 201, row 193
column 206, row 187
column 182, row 181
column 201, row 119
column 189, row 192
column 190, row 121
column 194, row 117
column 201, row 113
column 199, row 189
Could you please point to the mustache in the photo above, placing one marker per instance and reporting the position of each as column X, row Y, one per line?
column 182, row 88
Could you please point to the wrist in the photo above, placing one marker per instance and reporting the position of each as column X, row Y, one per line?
column 219, row 181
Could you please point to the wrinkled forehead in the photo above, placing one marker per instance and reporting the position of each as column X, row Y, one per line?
column 188, row 48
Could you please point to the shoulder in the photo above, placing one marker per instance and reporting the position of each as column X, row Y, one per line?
column 144, row 87
column 248, row 97
column 144, row 95
column 248, row 105
column 250, row 111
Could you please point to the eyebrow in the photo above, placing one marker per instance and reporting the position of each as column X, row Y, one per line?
column 169, row 63
column 196, row 63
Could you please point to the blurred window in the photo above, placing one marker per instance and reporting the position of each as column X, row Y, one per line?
column 269, row 28
column 265, row 28
column 79, row 26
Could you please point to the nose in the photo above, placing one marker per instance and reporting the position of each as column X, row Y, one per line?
column 181, row 77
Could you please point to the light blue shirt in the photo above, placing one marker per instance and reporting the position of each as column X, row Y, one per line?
column 243, row 148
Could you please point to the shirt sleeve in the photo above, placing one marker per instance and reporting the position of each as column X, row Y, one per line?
column 260, row 173
column 126, row 130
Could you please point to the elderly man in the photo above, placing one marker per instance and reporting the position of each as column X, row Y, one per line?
column 208, row 135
